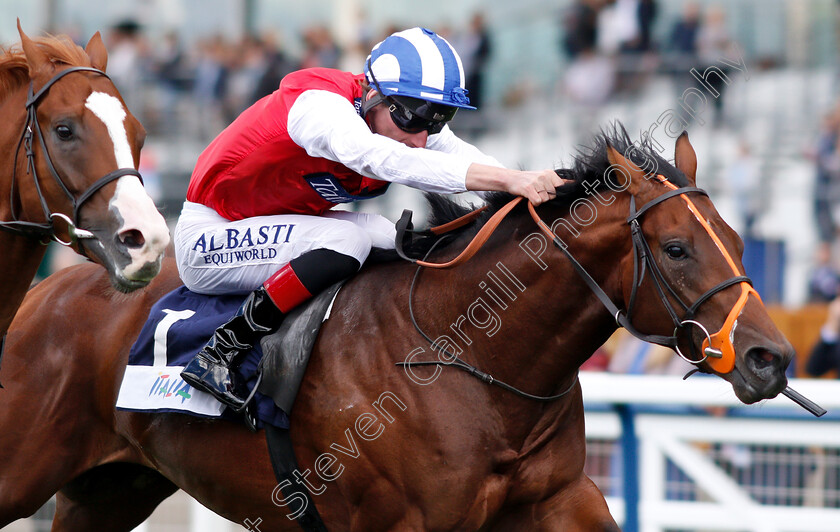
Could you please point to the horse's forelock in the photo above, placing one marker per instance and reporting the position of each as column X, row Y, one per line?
column 14, row 70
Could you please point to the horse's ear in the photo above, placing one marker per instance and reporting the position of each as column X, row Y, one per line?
column 628, row 168
column 35, row 57
column 96, row 51
column 685, row 158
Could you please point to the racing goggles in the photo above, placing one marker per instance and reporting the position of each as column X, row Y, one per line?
column 413, row 115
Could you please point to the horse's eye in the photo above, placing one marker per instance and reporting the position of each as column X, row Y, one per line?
column 676, row 251
column 64, row 132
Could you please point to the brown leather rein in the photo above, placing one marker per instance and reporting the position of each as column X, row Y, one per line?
column 404, row 226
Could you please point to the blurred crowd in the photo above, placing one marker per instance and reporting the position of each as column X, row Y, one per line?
column 610, row 46
column 165, row 80
column 824, row 282
column 825, row 279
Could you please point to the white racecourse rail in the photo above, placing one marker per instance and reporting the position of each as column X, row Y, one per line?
column 685, row 444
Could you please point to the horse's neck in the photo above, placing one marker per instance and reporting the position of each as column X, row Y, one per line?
column 18, row 264
column 553, row 326
column 528, row 326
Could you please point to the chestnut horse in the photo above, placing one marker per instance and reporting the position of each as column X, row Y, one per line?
column 384, row 446
column 69, row 150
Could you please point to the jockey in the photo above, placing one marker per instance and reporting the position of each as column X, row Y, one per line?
column 257, row 217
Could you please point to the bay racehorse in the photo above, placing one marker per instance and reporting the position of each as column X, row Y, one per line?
column 69, row 150
column 387, row 445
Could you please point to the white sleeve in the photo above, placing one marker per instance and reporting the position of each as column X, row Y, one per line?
column 327, row 125
column 448, row 142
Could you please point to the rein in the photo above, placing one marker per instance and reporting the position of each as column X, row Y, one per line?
column 46, row 230
column 404, row 226
column 454, row 361
column 718, row 349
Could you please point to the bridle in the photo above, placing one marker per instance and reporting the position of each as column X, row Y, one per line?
column 46, row 230
column 718, row 349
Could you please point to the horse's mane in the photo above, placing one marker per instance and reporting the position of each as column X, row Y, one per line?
column 588, row 173
column 14, row 70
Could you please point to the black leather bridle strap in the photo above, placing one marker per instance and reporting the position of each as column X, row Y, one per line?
column 489, row 379
column 101, row 182
column 453, row 359
column 46, row 229
column 94, row 188
column 20, row 227
column 656, row 274
column 620, row 318
column 643, row 257
column 662, row 197
column 714, row 290
column 35, row 96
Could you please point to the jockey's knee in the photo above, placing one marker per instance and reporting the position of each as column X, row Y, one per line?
column 320, row 268
column 338, row 254
column 347, row 238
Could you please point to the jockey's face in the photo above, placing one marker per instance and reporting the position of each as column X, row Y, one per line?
column 380, row 122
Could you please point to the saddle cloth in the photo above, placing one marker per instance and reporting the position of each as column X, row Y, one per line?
column 181, row 323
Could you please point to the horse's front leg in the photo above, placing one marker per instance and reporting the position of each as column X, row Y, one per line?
column 111, row 497
column 579, row 507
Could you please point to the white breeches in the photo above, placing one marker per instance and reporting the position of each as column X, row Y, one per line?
column 216, row 256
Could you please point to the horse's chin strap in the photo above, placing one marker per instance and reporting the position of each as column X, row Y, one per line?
column 46, row 230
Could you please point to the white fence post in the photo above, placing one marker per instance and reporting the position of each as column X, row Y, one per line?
column 722, row 496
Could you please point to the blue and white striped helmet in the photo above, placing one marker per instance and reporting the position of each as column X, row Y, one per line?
column 419, row 63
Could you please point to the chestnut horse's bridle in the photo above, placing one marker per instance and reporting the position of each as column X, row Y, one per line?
column 46, row 230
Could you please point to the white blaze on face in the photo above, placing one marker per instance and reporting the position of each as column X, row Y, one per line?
column 109, row 109
column 130, row 200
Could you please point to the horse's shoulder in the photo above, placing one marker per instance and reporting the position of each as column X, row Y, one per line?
column 376, row 285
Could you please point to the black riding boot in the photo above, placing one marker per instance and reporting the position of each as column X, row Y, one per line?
column 262, row 312
column 211, row 369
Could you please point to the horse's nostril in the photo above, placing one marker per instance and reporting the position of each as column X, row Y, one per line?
column 132, row 239
column 765, row 359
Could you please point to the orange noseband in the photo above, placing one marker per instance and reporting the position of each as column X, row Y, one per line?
column 721, row 340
